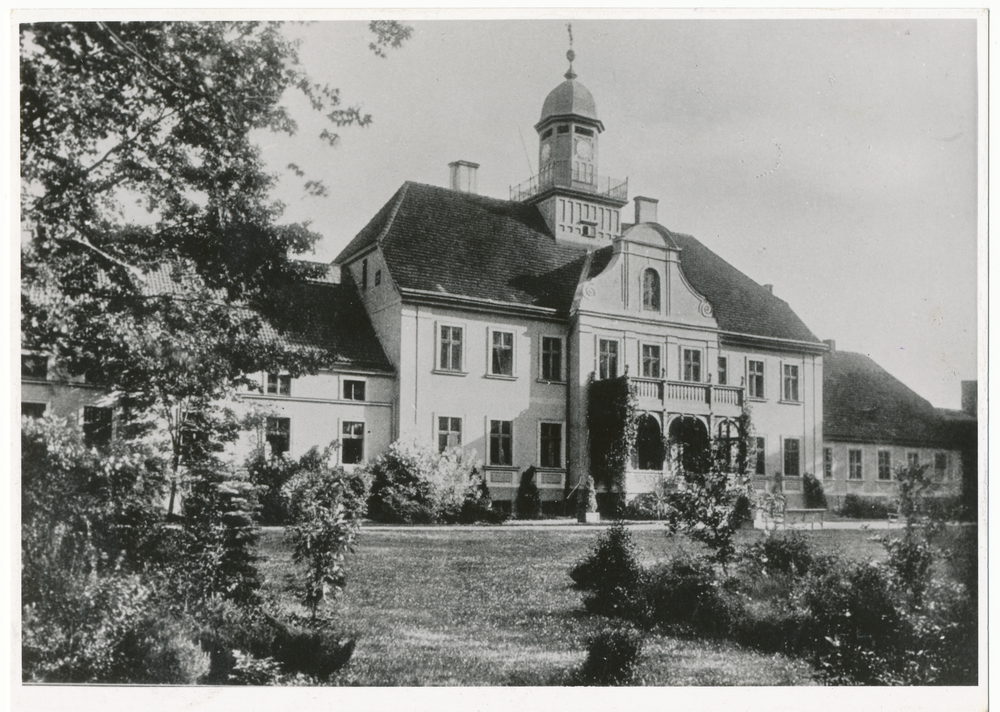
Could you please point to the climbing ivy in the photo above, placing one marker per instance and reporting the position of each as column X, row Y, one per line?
column 612, row 417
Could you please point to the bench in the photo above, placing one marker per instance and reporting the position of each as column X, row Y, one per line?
column 806, row 516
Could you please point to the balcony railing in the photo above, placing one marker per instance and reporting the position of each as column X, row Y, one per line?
column 689, row 393
column 567, row 174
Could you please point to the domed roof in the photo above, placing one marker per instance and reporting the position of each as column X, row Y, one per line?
column 570, row 97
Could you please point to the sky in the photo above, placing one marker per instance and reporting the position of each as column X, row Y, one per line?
column 834, row 159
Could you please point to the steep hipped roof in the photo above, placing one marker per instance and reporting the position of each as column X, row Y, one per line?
column 741, row 305
column 455, row 243
column 862, row 402
column 449, row 242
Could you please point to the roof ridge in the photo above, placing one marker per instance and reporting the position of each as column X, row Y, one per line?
column 399, row 197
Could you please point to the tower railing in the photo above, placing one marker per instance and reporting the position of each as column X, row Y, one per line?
column 570, row 174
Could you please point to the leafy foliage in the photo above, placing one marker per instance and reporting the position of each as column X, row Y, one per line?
column 812, row 488
column 323, row 531
column 857, row 507
column 612, row 424
column 788, row 553
column 413, row 483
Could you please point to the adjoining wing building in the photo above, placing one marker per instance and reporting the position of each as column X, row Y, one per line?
column 460, row 319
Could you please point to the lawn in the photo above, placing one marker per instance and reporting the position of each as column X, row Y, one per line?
column 494, row 606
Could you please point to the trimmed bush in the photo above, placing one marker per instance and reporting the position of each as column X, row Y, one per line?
column 788, row 554
column 857, row 507
column 163, row 652
column 528, row 504
column 612, row 575
column 684, row 591
column 812, row 488
column 612, row 658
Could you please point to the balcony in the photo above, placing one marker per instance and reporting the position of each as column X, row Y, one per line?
column 698, row 398
column 567, row 174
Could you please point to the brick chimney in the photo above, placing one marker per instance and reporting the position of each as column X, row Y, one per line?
column 463, row 176
column 970, row 397
column 645, row 209
column 769, row 287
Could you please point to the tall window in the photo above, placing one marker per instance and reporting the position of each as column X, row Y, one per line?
column 449, row 433
column 759, row 461
column 502, row 359
column 791, row 457
column 791, row 382
column 278, row 384
column 651, row 361
column 854, row 469
column 278, row 435
column 34, row 366
column 354, row 390
column 608, row 364
column 828, row 463
column 723, row 370
column 352, row 443
column 884, row 465
column 378, row 277
column 96, row 426
column 755, row 379
column 501, row 442
column 651, row 290
column 364, row 274
column 913, row 459
column 551, row 358
column 550, row 441
column 692, row 365
column 451, row 348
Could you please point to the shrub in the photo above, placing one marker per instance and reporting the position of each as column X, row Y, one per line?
column 812, row 488
column 612, row 658
column 528, row 504
column 856, row 629
column 857, row 507
column 787, row 554
column 612, row 576
column 412, row 483
column 685, row 591
column 478, row 507
column 649, row 505
column 163, row 651
column 322, row 532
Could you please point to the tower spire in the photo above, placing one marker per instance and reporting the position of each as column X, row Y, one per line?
column 570, row 55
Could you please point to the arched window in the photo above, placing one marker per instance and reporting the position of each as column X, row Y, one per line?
column 651, row 290
column 650, row 448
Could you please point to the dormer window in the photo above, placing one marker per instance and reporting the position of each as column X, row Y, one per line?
column 651, row 290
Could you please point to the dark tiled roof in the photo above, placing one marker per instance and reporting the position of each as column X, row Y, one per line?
column 862, row 402
column 320, row 315
column 445, row 241
column 740, row 304
column 332, row 317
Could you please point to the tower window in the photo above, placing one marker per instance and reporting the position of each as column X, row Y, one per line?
column 562, row 129
column 364, row 274
column 581, row 130
column 546, row 134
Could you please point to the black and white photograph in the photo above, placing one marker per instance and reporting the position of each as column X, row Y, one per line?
column 567, row 349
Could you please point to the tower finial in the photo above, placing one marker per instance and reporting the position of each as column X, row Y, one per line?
column 570, row 55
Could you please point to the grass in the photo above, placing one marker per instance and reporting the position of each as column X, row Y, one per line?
column 494, row 606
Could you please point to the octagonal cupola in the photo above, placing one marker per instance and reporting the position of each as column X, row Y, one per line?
column 578, row 203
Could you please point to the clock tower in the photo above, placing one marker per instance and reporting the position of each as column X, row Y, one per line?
column 579, row 204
